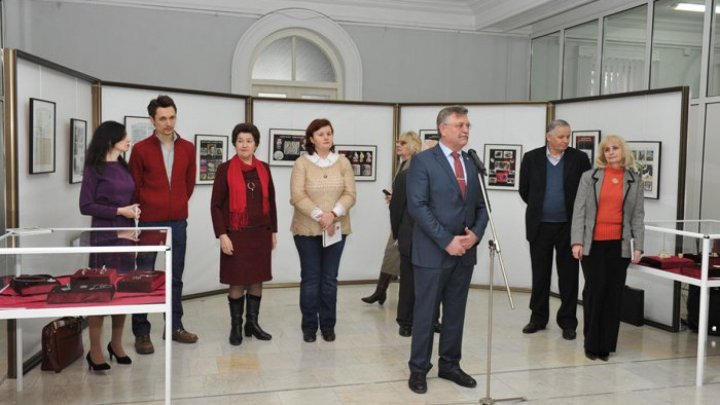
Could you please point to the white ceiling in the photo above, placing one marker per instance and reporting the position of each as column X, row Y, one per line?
column 499, row 16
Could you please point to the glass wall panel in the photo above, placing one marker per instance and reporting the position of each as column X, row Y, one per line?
column 580, row 73
column 275, row 61
column 714, row 67
column 311, row 64
column 623, row 59
column 545, row 65
column 676, row 46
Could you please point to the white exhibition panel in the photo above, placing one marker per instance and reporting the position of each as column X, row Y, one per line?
column 512, row 124
column 48, row 200
column 354, row 124
column 651, row 117
column 197, row 114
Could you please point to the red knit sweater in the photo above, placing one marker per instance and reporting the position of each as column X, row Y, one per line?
column 159, row 200
column 608, row 223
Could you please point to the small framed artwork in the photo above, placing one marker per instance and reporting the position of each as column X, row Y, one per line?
column 210, row 152
column 42, row 136
column 429, row 138
column 503, row 166
column 286, row 145
column 363, row 159
column 647, row 160
column 78, row 146
column 138, row 128
column 588, row 142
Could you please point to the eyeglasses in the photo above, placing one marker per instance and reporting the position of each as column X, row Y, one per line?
column 459, row 125
column 401, row 142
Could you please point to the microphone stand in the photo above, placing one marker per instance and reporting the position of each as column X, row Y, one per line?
column 494, row 249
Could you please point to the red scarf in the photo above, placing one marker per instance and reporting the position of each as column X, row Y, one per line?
column 238, row 193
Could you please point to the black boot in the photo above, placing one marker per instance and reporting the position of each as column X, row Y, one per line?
column 236, row 312
column 251, row 326
column 380, row 294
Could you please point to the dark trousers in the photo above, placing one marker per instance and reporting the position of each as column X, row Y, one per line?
column 318, row 282
column 553, row 236
column 406, row 295
column 605, row 272
column 146, row 261
column 449, row 286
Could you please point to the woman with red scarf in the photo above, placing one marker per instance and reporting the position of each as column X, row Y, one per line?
column 245, row 220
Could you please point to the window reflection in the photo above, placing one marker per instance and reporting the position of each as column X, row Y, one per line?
column 624, row 42
column 544, row 67
column 580, row 72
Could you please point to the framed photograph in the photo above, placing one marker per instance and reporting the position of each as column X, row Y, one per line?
column 286, row 145
column 503, row 166
column 78, row 146
column 138, row 128
column 210, row 152
column 363, row 159
column 647, row 159
column 429, row 138
column 42, row 136
column 588, row 142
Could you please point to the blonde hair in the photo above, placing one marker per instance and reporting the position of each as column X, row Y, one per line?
column 412, row 141
column 628, row 160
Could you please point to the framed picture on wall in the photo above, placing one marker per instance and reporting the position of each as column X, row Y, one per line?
column 647, row 159
column 363, row 159
column 42, row 136
column 503, row 166
column 429, row 138
column 78, row 146
column 286, row 145
column 210, row 152
column 138, row 128
column 587, row 141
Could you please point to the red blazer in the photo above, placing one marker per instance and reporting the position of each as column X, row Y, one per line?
column 159, row 200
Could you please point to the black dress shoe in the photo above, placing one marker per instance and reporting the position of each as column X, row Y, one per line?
column 417, row 383
column 405, row 331
column 604, row 356
column 459, row 377
column 532, row 328
column 569, row 334
column 590, row 355
column 309, row 337
column 328, row 335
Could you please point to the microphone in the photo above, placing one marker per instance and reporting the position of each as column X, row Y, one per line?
column 478, row 163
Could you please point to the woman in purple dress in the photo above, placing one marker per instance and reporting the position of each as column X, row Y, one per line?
column 107, row 195
column 244, row 219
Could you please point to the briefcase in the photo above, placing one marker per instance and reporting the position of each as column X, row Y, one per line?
column 35, row 284
column 93, row 276
column 81, row 293
column 666, row 262
column 633, row 306
column 61, row 343
column 141, row 281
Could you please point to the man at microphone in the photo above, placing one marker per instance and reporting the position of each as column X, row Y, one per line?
column 445, row 200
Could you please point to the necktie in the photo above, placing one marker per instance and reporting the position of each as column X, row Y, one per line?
column 459, row 173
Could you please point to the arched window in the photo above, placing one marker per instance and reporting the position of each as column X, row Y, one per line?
column 296, row 63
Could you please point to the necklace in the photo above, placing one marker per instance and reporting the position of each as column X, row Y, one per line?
column 615, row 180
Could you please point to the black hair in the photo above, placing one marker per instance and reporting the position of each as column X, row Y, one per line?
column 162, row 101
column 104, row 138
column 314, row 126
column 247, row 128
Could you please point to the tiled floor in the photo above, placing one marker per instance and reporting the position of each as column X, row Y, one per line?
column 367, row 364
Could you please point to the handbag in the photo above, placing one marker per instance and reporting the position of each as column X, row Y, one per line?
column 94, row 276
column 61, row 343
column 81, row 293
column 35, row 284
column 141, row 281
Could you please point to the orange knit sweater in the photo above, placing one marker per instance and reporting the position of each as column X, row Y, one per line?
column 608, row 223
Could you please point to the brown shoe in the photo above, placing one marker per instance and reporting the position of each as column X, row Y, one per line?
column 143, row 345
column 183, row 336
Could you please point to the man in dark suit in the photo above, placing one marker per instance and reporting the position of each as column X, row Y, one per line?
column 549, row 178
column 444, row 199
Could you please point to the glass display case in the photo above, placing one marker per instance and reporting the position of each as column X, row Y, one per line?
column 57, row 258
column 688, row 252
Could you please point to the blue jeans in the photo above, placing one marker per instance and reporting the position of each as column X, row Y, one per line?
column 318, row 282
column 146, row 261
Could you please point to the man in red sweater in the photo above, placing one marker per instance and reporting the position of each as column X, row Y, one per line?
column 163, row 167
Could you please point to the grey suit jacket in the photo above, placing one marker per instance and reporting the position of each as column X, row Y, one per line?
column 440, row 213
column 586, row 205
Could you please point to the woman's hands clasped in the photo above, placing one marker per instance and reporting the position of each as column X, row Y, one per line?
column 130, row 211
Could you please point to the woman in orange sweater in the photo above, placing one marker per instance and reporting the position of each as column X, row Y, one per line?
column 607, row 234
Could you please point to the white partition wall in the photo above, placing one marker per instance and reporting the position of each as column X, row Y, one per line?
column 354, row 124
column 198, row 113
column 513, row 124
column 646, row 116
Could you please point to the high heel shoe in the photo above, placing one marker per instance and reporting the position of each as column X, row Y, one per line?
column 119, row 359
column 96, row 367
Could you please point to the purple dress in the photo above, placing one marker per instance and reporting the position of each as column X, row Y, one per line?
column 100, row 197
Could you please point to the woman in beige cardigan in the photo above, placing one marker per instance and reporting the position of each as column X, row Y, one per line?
column 322, row 191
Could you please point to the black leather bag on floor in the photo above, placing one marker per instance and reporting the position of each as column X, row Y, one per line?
column 693, row 309
column 633, row 306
